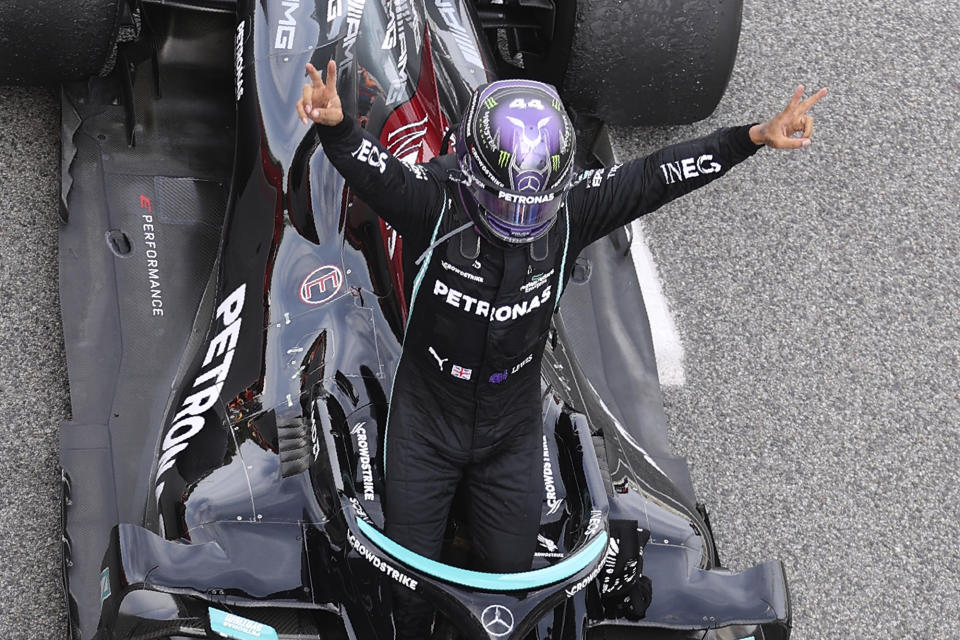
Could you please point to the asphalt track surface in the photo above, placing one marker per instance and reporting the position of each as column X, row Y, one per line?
column 817, row 295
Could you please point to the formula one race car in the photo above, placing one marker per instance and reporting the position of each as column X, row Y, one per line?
column 231, row 342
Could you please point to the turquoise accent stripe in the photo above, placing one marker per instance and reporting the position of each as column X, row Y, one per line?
column 421, row 272
column 232, row 626
column 489, row 581
column 104, row 584
column 563, row 261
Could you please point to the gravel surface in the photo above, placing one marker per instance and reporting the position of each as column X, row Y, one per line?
column 816, row 293
column 33, row 369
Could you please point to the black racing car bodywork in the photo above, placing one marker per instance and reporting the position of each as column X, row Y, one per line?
column 233, row 317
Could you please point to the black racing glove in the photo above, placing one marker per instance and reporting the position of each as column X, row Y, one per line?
column 624, row 591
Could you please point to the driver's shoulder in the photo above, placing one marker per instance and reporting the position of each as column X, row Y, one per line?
column 441, row 167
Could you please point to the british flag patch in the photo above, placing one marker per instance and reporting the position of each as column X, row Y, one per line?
column 459, row 372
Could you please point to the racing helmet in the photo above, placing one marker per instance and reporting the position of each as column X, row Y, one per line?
column 515, row 149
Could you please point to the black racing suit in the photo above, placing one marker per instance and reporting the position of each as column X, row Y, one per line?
column 465, row 406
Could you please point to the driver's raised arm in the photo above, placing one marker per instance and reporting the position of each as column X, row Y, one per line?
column 405, row 195
column 608, row 198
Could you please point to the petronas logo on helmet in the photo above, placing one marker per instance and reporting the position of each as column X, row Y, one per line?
column 504, row 158
column 490, row 103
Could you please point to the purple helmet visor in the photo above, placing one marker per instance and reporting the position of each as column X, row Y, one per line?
column 514, row 216
column 517, row 215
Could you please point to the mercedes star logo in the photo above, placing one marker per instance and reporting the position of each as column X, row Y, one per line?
column 497, row 620
column 528, row 183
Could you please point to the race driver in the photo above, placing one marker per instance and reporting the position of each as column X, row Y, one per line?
column 493, row 232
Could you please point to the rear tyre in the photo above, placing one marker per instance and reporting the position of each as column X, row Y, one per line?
column 641, row 63
column 50, row 41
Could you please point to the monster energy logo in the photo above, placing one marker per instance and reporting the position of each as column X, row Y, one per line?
column 556, row 105
column 504, row 158
column 490, row 103
column 556, row 161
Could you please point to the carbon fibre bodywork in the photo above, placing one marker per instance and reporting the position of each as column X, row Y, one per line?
column 233, row 317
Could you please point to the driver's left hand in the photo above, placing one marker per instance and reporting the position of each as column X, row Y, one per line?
column 778, row 132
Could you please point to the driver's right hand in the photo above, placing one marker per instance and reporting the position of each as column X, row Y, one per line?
column 320, row 102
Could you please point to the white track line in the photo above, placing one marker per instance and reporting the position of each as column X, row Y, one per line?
column 666, row 338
